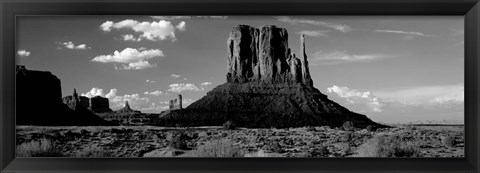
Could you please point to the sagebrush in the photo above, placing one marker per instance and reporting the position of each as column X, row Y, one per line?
column 38, row 148
column 217, row 148
column 388, row 146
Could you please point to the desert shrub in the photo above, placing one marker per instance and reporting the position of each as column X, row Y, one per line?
column 229, row 125
column 319, row 151
column 371, row 128
column 310, row 129
column 348, row 126
column 388, row 146
column 448, row 141
column 275, row 147
column 178, row 140
column 217, row 148
column 345, row 148
column 92, row 151
column 345, row 137
column 41, row 148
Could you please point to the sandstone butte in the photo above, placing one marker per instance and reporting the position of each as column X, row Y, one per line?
column 267, row 85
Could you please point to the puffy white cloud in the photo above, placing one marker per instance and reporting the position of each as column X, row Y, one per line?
column 131, row 58
column 94, row 92
column 130, row 37
column 23, row 53
column 336, row 57
column 138, row 65
column 175, row 75
column 71, row 45
column 335, row 26
column 155, row 93
column 206, row 83
column 183, row 87
column 314, row 33
column 357, row 97
column 181, row 26
column 112, row 93
column 153, row 31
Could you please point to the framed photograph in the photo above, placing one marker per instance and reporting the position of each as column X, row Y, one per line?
column 258, row 86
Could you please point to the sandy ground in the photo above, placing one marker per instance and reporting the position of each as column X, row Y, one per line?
column 151, row 141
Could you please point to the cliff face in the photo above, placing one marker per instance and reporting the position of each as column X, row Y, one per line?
column 267, row 86
column 262, row 55
column 39, row 102
column 99, row 104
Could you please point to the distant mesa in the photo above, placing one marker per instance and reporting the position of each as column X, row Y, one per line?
column 176, row 103
column 127, row 110
column 97, row 104
column 267, row 86
column 39, row 102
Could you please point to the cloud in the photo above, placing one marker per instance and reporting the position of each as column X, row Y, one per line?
column 71, row 45
column 23, row 53
column 94, row 92
column 357, row 97
column 294, row 21
column 154, row 31
column 186, row 102
column 425, row 95
column 181, row 26
column 314, row 33
column 130, row 37
column 188, row 17
column 131, row 58
column 206, row 83
column 336, row 57
column 408, row 34
column 175, row 75
column 150, row 81
column 155, row 93
column 178, row 88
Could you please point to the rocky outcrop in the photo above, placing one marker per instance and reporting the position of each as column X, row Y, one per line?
column 262, row 55
column 267, row 86
column 176, row 103
column 99, row 104
column 72, row 100
column 39, row 102
column 127, row 110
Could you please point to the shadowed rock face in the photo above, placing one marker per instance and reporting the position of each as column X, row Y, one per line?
column 99, row 104
column 267, row 86
column 262, row 55
column 39, row 102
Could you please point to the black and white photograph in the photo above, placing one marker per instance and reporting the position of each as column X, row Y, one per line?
column 240, row 86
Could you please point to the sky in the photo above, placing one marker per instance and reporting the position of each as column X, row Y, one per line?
column 394, row 69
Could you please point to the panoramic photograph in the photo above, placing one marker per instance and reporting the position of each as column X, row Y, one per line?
column 240, row 86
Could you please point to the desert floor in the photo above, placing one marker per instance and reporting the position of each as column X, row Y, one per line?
column 150, row 141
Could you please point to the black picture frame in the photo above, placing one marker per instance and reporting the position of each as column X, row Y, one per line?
column 9, row 9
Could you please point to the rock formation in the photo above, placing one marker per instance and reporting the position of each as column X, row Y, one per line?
column 127, row 110
column 262, row 55
column 267, row 86
column 176, row 103
column 39, row 102
column 72, row 100
column 99, row 104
